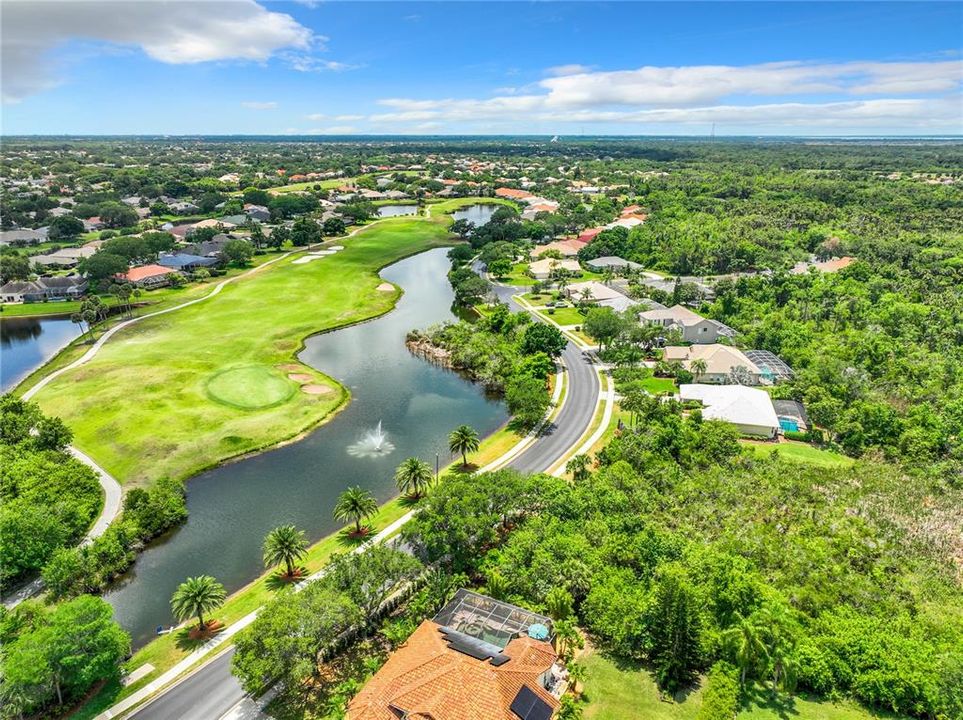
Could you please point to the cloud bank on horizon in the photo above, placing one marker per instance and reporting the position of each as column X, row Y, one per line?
column 44, row 42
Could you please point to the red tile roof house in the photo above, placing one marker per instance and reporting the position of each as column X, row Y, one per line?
column 513, row 194
column 588, row 236
column 148, row 276
column 478, row 659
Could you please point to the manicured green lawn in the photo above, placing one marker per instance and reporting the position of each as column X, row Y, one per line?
column 564, row 316
column 800, row 452
column 250, row 387
column 658, row 385
column 616, row 690
column 141, row 407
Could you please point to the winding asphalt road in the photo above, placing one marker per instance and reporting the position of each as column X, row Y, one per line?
column 213, row 693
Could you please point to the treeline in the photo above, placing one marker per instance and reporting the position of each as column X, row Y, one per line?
column 679, row 551
column 49, row 499
column 506, row 351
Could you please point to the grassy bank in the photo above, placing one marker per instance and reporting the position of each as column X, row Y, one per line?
column 801, row 453
column 622, row 690
column 121, row 404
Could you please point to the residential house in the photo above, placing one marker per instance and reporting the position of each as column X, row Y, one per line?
column 94, row 223
column 694, row 327
column 64, row 258
column 566, row 248
column 148, row 276
column 183, row 207
column 749, row 409
column 23, row 236
column 589, row 235
column 724, row 364
column 543, row 269
column 611, row 261
column 512, row 194
column 186, row 262
column 478, row 658
column 43, row 289
column 257, row 212
column 592, row 291
column 209, row 248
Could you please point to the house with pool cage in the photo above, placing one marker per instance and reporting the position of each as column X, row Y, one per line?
column 477, row 658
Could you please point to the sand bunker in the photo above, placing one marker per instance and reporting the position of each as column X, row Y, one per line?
column 291, row 367
column 316, row 389
column 300, row 377
column 386, row 287
column 336, row 247
column 305, row 259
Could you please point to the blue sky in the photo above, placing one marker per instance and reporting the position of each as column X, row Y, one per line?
column 241, row 67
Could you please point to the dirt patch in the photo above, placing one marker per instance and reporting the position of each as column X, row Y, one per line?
column 386, row 287
column 316, row 389
column 300, row 377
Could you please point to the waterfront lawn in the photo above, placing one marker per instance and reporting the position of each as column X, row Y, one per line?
column 801, row 453
column 141, row 406
column 450, row 206
column 622, row 690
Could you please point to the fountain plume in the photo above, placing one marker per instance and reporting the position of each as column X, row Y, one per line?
column 374, row 443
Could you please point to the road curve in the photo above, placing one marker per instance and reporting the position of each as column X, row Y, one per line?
column 212, row 692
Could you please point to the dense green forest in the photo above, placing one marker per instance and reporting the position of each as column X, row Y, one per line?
column 49, row 499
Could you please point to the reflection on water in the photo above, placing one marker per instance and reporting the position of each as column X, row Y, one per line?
column 478, row 214
column 395, row 210
column 233, row 507
column 27, row 343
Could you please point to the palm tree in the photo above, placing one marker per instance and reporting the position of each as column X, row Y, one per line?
column 284, row 545
column 698, row 367
column 463, row 439
column 497, row 585
column 355, row 504
column 413, row 477
column 196, row 596
column 746, row 640
column 558, row 603
column 579, row 467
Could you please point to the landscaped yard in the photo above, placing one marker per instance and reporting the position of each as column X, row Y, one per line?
column 564, row 316
column 617, row 690
column 800, row 452
column 658, row 385
column 119, row 405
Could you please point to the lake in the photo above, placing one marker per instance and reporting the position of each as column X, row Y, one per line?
column 386, row 211
column 234, row 506
column 478, row 214
column 27, row 343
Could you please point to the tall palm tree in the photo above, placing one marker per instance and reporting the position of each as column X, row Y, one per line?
column 746, row 640
column 698, row 367
column 196, row 596
column 284, row 545
column 463, row 439
column 579, row 467
column 413, row 477
column 355, row 504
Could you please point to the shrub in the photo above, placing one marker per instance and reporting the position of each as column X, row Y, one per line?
column 720, row 700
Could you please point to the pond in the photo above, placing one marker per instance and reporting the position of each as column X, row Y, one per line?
column 27, row 343
column 478, row 214
column 395, row 210
column 232, row 507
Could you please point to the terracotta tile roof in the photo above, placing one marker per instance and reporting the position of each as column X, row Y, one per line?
column 139, row 273
column 429, row 681
column 512, row 193
column 589, row 235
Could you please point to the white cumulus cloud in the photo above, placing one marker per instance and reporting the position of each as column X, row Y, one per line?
column 169, row 32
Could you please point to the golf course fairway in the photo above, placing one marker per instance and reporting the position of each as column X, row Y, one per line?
column 172, row 395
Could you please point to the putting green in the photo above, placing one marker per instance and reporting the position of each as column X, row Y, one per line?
column 250, row 387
